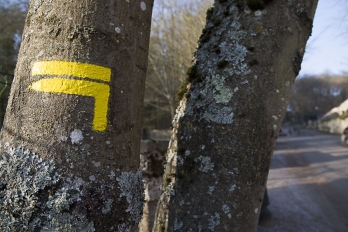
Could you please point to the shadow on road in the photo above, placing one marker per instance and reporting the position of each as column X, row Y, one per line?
column 308, row 184
column 313, row 207
column 306, row 158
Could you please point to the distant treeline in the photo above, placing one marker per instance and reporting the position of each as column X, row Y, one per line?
column 314, row 96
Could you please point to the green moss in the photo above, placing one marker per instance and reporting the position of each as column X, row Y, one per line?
column 205, row 38
column 192, row 73
column 216, row 49
column 217, row 22
column 183, row 89
column 255, row 4
column 240, row 4
column 210, row 12
column 222, row 64
column 253, row 62
column 251, row 49
column 258, row 4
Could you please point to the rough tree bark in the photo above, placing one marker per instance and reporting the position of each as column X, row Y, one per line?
column 76, row 102
column 227, row 123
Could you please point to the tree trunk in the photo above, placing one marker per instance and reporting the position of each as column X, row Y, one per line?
column 76, row 102
column 227, row 123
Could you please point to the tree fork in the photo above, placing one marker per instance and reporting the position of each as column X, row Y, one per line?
column 76, row 102
column 227, row 124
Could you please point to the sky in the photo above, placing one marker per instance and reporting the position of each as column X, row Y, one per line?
column 327, row 48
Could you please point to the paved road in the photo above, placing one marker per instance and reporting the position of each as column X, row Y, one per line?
column 308, row 184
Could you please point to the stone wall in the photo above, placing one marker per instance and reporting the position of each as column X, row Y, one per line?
column 152, row 161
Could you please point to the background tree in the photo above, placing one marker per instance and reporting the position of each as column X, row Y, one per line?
column 316, row 95
column 12, row 15
column 71, row 136
column 227, row 123
column 176, row 26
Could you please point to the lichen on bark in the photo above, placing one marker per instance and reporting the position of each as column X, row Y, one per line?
column 58, row 126
column 225, row 127
column 132, row 188
column 34, row 196
column 24, row 179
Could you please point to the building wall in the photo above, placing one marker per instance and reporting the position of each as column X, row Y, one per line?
column 334, row 126
column 335, row 120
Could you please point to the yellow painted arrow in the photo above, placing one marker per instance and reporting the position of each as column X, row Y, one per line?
column 99, row 91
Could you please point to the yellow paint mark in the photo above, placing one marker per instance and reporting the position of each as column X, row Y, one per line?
column 99, row 91
column 96, row 90
column 82, row 70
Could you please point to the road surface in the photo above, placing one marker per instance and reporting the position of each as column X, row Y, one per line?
column 308, row 183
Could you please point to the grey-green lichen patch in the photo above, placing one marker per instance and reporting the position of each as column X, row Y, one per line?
column 59, row 201
column 132, row 188
column 124, row 227
column 179, row 160
column 56, row 217
column 206, row 164
column 232, row 188
column 214, row 114
column 96, row 164
column 177, row 224
column 213, row 221
column 222, row 94
column 211, row 96
column 234, row 53
column 112, row 175
column 231, row 50
column 225, row 209
column 24, row 177
column 107, row 206
column 211, row 99
column 211, row 190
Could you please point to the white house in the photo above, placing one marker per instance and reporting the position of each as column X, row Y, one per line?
column 336, row 120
